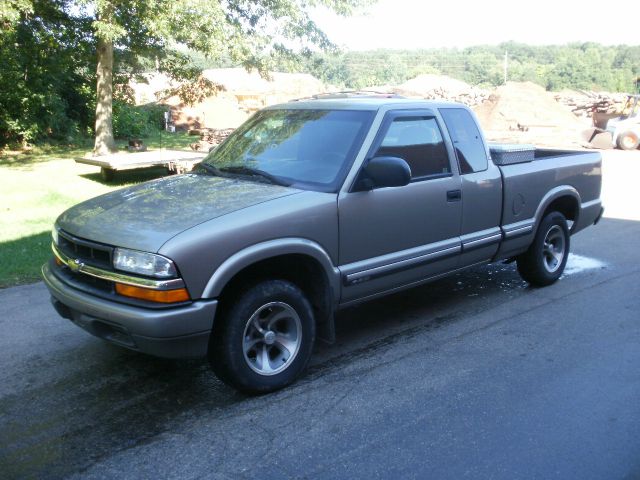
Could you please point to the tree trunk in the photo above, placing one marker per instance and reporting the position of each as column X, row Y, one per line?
column 104, row 143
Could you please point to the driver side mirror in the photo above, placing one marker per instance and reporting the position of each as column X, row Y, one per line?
column 381, row 172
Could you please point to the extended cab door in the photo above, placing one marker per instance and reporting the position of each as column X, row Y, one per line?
column 392, row 237
column 481, row 187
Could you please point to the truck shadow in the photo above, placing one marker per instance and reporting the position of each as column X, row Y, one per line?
column 365, row 329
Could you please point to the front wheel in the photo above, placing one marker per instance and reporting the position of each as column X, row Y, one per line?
column 264, row 337
column 543, row 263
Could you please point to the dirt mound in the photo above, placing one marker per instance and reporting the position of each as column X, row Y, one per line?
column 254, row 92
column 219, row 111
column 526, row 112
column 147, row 91
column 241, row 93
column 429, row 82
column 526, row 104
column 441, row 87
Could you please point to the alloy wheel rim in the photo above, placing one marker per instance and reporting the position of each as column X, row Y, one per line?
column 553, row 249
column 272, row 338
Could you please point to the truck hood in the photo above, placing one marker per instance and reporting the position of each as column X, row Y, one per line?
column 145, row 216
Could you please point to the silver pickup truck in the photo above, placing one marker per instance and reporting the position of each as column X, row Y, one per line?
column 309, row 207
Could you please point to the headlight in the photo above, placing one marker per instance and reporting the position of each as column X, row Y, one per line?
column 54, row 235
column 143, row 263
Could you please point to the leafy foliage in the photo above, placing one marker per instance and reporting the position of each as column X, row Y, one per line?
column 586, row 66
column 193, row 92
column 136, row 121
column 48, row 49
column 44, row 79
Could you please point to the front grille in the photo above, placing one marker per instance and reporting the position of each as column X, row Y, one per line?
column 90, row 253
column 84, row 282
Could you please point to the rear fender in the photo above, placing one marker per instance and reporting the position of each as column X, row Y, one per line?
column 553, row 195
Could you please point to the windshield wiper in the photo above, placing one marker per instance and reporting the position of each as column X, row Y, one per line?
column 254, row 172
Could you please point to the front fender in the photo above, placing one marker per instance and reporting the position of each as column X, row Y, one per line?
column 269, row 249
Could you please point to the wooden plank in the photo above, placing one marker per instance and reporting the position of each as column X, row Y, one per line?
column 128, row 161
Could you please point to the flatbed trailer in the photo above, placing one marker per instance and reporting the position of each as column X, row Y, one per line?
column 175, row 161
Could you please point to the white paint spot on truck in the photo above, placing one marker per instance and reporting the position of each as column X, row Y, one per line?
column 578, row 264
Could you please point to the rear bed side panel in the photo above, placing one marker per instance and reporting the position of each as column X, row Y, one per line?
column 529, row 188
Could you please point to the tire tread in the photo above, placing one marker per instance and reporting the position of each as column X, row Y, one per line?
column 529, row 263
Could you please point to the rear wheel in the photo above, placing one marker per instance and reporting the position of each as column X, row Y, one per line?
column 264, row 337
column 628, row 141
column 543, row 263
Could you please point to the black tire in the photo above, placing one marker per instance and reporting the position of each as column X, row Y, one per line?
column 243, row 367
column 628, row 141
column 107, row 174
column 543, row 263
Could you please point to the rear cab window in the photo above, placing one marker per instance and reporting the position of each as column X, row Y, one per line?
column 466, row 138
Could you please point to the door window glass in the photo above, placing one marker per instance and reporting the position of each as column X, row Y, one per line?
column 418, row 141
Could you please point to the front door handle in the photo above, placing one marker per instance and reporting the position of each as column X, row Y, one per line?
column 454, row 195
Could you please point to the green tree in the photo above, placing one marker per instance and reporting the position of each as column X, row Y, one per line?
column 249, row 32
column 132, row 36
column 44, row 79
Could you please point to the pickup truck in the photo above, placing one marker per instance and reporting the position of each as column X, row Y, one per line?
column 309, row 207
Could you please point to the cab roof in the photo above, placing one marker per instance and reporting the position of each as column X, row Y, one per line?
column 372, row 103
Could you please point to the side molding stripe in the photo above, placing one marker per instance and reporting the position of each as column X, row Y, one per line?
column 396, row 267
column 518, row 229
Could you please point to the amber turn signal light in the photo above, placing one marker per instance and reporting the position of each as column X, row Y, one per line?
column 159, row 296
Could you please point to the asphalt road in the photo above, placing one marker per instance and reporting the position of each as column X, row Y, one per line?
column 474, row 376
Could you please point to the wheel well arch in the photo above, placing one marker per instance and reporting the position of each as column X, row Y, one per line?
column 567, row 205
column 564, row 199
column 304, row 271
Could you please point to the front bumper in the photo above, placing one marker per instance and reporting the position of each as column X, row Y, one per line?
column 171, row 333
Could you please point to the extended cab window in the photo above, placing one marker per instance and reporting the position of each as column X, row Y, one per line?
column 418, row 141
column 472, row 156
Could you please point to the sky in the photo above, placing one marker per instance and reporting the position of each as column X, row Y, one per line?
column 409, row 24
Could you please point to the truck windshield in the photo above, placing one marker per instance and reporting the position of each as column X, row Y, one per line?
column 309, row 149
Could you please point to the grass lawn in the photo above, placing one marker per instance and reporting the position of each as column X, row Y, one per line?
column 38, row 185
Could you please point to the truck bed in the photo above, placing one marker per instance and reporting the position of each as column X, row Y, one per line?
column 527, row 185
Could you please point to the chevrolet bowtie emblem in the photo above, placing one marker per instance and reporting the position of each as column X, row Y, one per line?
column 76, row 265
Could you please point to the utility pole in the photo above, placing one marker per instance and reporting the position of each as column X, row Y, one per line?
column 506, row 65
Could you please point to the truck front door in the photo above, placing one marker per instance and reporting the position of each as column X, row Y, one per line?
column 393, row 237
